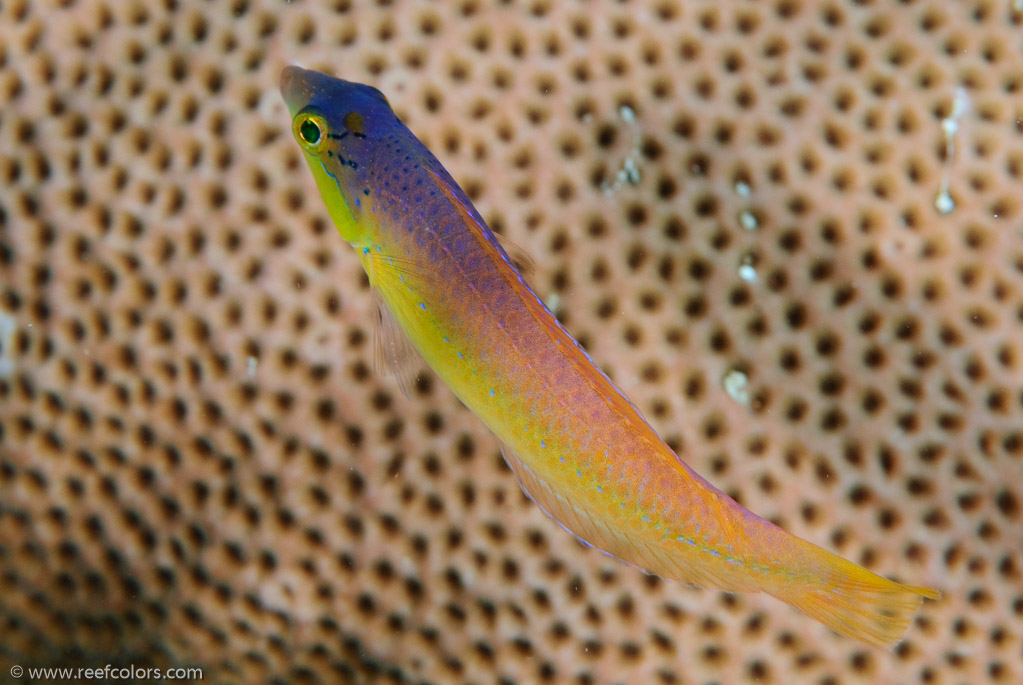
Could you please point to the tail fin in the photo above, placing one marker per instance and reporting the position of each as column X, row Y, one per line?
column 857, row 603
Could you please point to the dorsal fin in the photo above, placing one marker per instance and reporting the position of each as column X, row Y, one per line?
column 519, row 257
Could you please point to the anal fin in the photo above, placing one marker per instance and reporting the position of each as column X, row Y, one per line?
column 667, row 558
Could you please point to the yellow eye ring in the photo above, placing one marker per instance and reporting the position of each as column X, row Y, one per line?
column 310, row 130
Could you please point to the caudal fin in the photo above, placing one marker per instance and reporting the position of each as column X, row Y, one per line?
column 857, row 603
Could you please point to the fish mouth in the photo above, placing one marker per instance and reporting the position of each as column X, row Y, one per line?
column 295, row 88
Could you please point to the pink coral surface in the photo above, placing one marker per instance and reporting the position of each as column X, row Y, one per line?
column 791, row 232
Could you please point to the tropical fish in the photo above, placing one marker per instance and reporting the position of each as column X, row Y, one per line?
column 579, row 447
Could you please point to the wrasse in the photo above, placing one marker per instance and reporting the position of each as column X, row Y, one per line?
column 580, row 449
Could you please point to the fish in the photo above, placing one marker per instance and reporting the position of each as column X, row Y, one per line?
column 580, row 449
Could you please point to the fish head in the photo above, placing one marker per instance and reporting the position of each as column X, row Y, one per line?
column 339, row 125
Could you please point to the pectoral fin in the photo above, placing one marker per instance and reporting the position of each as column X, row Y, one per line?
column 393, row 351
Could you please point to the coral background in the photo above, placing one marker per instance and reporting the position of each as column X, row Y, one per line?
column 199, row 465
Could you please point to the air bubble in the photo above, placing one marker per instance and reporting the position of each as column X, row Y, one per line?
column 629, row 172
column 748, row 220
column 944, row 202
column 735, row 383
column 950, row 126
column 8, row 327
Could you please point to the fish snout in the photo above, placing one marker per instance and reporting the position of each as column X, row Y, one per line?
column 294, row 87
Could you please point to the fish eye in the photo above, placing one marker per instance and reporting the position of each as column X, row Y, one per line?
column 311, row 131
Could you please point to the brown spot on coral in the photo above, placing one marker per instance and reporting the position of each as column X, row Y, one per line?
column 198, row 465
